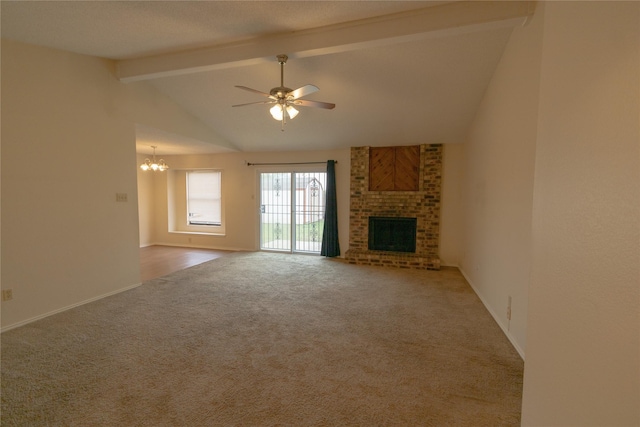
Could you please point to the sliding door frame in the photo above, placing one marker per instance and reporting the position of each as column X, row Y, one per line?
column 294, row 213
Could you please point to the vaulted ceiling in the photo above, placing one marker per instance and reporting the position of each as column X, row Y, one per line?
column 399, row 72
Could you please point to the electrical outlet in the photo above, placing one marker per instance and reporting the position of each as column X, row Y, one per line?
column 7, row 294
column 121, row 197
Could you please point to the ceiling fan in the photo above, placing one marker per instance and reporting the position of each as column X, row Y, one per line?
column 285, row 98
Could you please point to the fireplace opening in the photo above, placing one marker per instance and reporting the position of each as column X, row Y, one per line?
column 392, row 234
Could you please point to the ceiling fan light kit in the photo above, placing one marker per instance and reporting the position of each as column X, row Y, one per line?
column 285, row 98
column 278, row 112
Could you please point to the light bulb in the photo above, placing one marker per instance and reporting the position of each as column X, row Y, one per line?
column 144, row 166
column 292, row 112
column 276, row 112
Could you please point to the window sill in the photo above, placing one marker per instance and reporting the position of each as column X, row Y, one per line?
column 199, row 233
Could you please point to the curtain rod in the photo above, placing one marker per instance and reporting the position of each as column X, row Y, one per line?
column 274, row 164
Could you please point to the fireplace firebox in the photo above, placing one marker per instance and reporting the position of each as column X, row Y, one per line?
column 392, row 234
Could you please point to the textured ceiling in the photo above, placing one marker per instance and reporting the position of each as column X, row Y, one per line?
column 405, row 91
column 128, row 29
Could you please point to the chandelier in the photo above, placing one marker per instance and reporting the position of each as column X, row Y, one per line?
column 154, row 165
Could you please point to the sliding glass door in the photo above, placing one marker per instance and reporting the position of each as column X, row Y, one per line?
column 292, row 211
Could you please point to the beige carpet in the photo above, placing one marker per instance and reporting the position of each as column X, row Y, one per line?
column 262, row 339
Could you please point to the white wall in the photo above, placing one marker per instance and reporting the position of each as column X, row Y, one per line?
column 240, row 194
column 146, row 208
column 583, row 352
column 68, row 146
column 65, row 239
column 497, row 184
column 451, row 233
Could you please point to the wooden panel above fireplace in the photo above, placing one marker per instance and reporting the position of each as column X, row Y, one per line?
column 394, row 168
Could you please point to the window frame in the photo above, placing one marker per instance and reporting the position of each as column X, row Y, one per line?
column 177, row 212
column 216, row 200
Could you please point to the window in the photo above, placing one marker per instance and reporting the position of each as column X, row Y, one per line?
column 204, row 204
column 199, row 193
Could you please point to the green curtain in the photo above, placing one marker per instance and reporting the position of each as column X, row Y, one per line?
column 330, row 244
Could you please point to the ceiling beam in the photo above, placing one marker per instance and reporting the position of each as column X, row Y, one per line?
column 436, row 21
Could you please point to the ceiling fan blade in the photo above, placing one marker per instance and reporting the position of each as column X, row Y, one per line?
column 303, row 91
column 253, row 103
column 256, row 91
column 317, row 104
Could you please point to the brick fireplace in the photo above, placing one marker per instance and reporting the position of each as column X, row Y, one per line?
column 422, row 204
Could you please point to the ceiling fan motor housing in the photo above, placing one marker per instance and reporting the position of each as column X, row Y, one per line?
column 280, row 92
column 282, row 59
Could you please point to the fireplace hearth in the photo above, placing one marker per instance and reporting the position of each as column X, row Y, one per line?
column 392, row 234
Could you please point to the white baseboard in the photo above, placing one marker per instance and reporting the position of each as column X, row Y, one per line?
column 451, row 266
column 69, row 307
column 504, row 327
